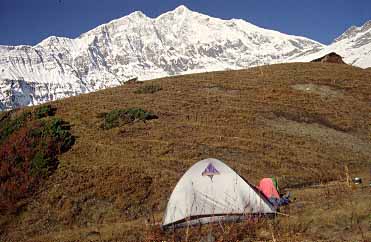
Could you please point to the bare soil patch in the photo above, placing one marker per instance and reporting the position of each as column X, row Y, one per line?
column 321, row 90
column 322, row 134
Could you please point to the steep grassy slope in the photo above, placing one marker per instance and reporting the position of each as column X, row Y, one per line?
column 303, row 123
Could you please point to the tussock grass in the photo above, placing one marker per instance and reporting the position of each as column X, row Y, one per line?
column 148, row 89
column 119, row 117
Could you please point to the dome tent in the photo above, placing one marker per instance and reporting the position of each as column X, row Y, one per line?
column 210, row 191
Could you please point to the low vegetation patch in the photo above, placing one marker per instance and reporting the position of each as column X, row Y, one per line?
column 9, row 123
column 30, row 143
column 118, row 117
column 148, row 89
column 44, row 111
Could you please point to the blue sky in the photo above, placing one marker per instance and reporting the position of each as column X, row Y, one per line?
column 30, row 21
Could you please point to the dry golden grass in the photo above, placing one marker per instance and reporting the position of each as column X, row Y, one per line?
column 112, row 181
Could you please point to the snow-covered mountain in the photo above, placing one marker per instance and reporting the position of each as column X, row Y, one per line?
column 354, row 45
column 177, row 42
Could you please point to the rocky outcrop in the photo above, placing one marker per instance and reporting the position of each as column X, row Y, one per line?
column 330, row 58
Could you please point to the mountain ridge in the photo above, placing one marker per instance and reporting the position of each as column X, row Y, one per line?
column 181, row 41
column 354, row 45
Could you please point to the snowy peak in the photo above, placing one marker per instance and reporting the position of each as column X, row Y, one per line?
column 354, row 45
column 366, row 26
column 137, row 14
column 180, row 41
column 180, row 12
column 181, row 9
column 353, row 31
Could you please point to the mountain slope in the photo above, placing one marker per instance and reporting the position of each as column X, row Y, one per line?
column 354, row 45
column 177, row 42
column 301, row 122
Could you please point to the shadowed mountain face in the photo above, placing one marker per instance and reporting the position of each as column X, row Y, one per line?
column 303, row 123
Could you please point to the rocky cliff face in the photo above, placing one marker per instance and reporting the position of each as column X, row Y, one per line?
column 177, row 42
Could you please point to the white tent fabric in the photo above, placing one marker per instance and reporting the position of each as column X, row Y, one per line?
column 210, row 191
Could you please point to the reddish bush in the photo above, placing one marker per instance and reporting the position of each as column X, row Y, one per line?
column 29, row 148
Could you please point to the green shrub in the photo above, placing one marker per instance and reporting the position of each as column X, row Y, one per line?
column 57, row 129
column 118, row 117
column 113, row 118
column 44, row 111
column 139, row 114
column 148, row 89
column 10, row 124
column 40, row 164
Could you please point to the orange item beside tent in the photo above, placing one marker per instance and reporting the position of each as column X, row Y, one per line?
column 266, row 186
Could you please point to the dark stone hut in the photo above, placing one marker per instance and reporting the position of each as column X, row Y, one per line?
column 330, row 58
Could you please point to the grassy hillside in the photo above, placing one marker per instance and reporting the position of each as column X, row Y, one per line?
column 304, row 123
